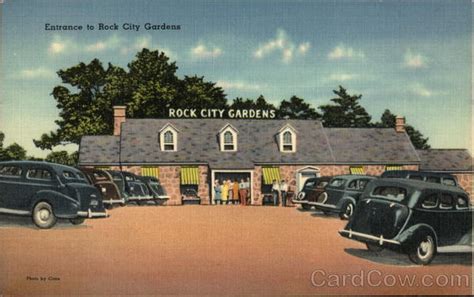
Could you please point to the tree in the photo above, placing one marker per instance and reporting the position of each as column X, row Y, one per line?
column 195, row 92
column 388, row 120
column 296, row 108
column 63, row 157
column 259, row 103
column 13, row 152
column 346, row 112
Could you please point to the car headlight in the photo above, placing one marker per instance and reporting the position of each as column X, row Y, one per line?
column 103, row 190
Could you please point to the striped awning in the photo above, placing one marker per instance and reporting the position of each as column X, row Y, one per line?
column 270, row 174
column 393, row 167
column 189, row 176
column 102, row 167
column 151, row 171
column 357, row 170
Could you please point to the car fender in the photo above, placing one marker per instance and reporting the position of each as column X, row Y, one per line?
column 62, row 204
column 408, row 237
column 344, row 200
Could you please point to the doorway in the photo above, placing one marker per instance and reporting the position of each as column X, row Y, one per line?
column 232, row 175
column 305, row 173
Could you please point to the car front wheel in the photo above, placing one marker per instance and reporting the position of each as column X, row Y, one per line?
column 347, row 210
column 306, row 206
column 43, row 215
column 424, row 250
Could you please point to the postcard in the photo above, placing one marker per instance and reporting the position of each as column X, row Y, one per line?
column 236, row 147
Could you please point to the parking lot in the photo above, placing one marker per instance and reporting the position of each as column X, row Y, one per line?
column 211, row 250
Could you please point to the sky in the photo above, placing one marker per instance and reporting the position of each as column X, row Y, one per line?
column 412, row 57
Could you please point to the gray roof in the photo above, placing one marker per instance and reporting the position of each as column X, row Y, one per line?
column 451, row 160
column 371, row 145
column 198, row 143
column 102, row 149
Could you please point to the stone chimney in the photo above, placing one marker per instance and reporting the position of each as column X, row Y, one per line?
column 400, row 124
column 119, row 118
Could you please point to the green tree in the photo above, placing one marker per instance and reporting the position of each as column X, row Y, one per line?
column 259, row 103
column 296, row 108
column 63, row 157
column 388, row 120
column 13, row 152
column 346, row 112
column 195, row 92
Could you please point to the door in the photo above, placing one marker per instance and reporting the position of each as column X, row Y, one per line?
column 304, row 175
column 36, row 179
column 10, row 183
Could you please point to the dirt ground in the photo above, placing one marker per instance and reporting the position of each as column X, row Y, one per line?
column 210, row 250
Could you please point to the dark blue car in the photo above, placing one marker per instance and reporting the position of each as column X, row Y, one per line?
column 46, row 192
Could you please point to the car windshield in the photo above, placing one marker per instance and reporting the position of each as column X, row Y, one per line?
column 337, row 182
column 390, row 193
column 449, row 181
column 309, row 184
column 73, row 177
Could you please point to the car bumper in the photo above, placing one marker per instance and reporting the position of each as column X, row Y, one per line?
column 140, row 198
column 114, row 201
column 364, row 237
column 323, row 206
column 163, row 197
column 299, row 201
column 92, row 214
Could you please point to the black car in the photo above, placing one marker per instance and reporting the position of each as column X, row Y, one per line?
column 103, row 181
column 155, row 189
column 47, row 191
column 413, row 217
column 342, row 194
column 312, row 190
column 131, row 187
column 431, row 177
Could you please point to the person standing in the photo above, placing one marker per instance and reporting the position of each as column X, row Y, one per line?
column 283, row 191
column 247, row 186
column 243, row 192
column 217, row 192
column 225, row 192
column 235, row 191
column 275, row 192
column 230, row 190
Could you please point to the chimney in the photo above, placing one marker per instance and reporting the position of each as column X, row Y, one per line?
column 400, row 124
column 119, row 118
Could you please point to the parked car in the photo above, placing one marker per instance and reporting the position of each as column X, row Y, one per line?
column 119, row 181
column 46, row 192
column 413, row 217
column 342, row 194
column 432, row 177
column 133, row 188
column 103, row 181
column 312, row 190
column 190, row 196
column 155, row 189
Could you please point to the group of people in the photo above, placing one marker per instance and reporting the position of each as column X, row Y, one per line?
column 232, row 192
column 279, row 190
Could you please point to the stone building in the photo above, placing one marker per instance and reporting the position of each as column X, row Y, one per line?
column 194, row 153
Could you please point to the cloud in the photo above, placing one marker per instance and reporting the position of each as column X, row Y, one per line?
column 420, row 90
column 203, row 51
column 343, row 52
column 282, row 44
column 35, row 73
column 112, row 42
column 342, row 76
column 60, row 45
column 238, row 85
column 414, row 60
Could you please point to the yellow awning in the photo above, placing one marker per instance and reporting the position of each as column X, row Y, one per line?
column 270, row 174
column 102, row 167
column 393, row 167
column 357, row 170
column 189, row 175
column 151, row 171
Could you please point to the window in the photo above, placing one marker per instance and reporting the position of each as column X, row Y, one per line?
column 449, row 181
column 228, row 138
column 415, row 177
column 338, row 182
column 69, row 174
column 433, row 179
column 392, row 193
column 10, row 171
column 358, row 184
column 461, row 202
column 309, row 184
column 169, row 138
column 38, row 173
column 430, row 201
column 287, row 139
column 446, row 201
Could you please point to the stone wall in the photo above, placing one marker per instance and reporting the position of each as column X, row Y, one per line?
column 257, row 186
column 204, row 182
column 465, row 181
column 170, row 179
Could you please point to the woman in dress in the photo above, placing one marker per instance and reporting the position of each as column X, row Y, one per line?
column 225, row 192
column 217, row 192
column 230, row 190
column 235, row 191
